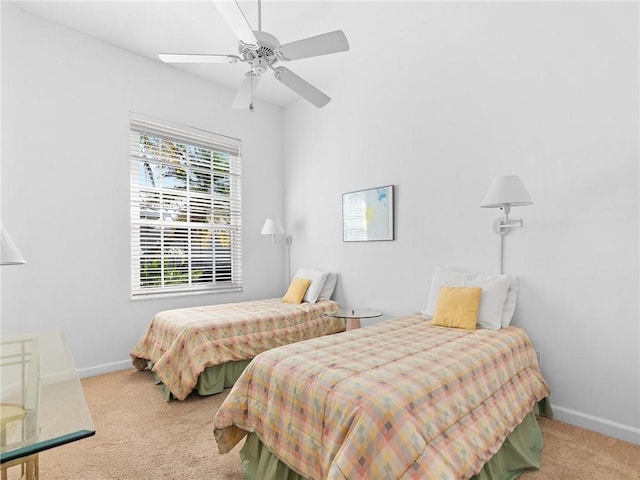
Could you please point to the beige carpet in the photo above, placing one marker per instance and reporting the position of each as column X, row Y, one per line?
column 140, row 436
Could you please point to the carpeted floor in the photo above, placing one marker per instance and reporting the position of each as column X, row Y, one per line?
column 139, row 436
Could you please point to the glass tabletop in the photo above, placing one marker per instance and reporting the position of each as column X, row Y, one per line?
column 355, row 313
column 42, row 404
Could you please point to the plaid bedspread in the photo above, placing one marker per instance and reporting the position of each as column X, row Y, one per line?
column 398, row 400
column 181, row 343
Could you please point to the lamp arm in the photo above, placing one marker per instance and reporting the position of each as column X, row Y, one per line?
column 285, row 239
column 518, row 223
column 502, row 225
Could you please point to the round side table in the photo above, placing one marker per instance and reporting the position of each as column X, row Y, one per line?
column 352, row 316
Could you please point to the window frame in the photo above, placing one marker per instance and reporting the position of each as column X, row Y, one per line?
column 190, row 225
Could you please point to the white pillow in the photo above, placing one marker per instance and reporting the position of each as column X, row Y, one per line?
column 492, row 300
column 317, row 277
column 510, row 302
column 329, row 286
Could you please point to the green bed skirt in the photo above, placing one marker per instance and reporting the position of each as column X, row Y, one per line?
column 519, row 452
column 213, row 379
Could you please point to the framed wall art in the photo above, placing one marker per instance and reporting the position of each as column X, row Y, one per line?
column 367, row 215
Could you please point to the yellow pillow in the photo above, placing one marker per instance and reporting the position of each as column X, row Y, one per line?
column 296, row 291
column 458, row 307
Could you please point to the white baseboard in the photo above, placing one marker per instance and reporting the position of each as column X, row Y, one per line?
column 597, row 424
column 104, row 368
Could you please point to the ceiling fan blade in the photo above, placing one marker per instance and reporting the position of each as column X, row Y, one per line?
column 232, row 14
column 331, row 42
column 244, row 96
column 301, row 87
column 197, row 58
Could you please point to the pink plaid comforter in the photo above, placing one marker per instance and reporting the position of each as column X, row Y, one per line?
column 181, row 343
column 398, row 400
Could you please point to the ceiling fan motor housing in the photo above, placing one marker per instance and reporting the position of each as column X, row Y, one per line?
column 262, row 55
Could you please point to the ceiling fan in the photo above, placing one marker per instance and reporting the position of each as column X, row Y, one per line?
column 262, row 51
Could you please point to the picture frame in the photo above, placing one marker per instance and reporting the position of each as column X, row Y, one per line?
column 367, row 215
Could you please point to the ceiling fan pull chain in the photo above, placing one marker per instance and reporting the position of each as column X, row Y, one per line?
column 251, row 104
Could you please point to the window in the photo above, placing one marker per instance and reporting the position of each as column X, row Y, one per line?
column 185, row 210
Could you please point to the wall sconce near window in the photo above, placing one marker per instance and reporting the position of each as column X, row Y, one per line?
column 9, row 253
column 506, row 192
column 273, row 227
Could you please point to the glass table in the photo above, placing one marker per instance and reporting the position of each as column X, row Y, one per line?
column 352, row 316
column 42, row 404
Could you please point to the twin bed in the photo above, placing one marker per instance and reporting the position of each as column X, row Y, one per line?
column 206, row 348
column 403, row 399
column 448, row 393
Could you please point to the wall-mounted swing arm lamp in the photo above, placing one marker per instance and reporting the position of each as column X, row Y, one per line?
column 9, row 253
column 506, row 192
column 273, row 227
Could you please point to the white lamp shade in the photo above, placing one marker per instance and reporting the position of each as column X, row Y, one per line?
column 9, row 253
column 272, row 226
column 506, row 190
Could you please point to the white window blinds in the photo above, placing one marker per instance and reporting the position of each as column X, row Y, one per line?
column 186, row 210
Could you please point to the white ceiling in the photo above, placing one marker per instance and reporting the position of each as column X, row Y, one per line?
column 182, row 26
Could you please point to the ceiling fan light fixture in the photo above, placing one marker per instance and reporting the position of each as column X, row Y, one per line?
column 244, row 97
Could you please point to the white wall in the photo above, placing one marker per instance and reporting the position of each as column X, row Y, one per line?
column 544, row 90
column 66, row 100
